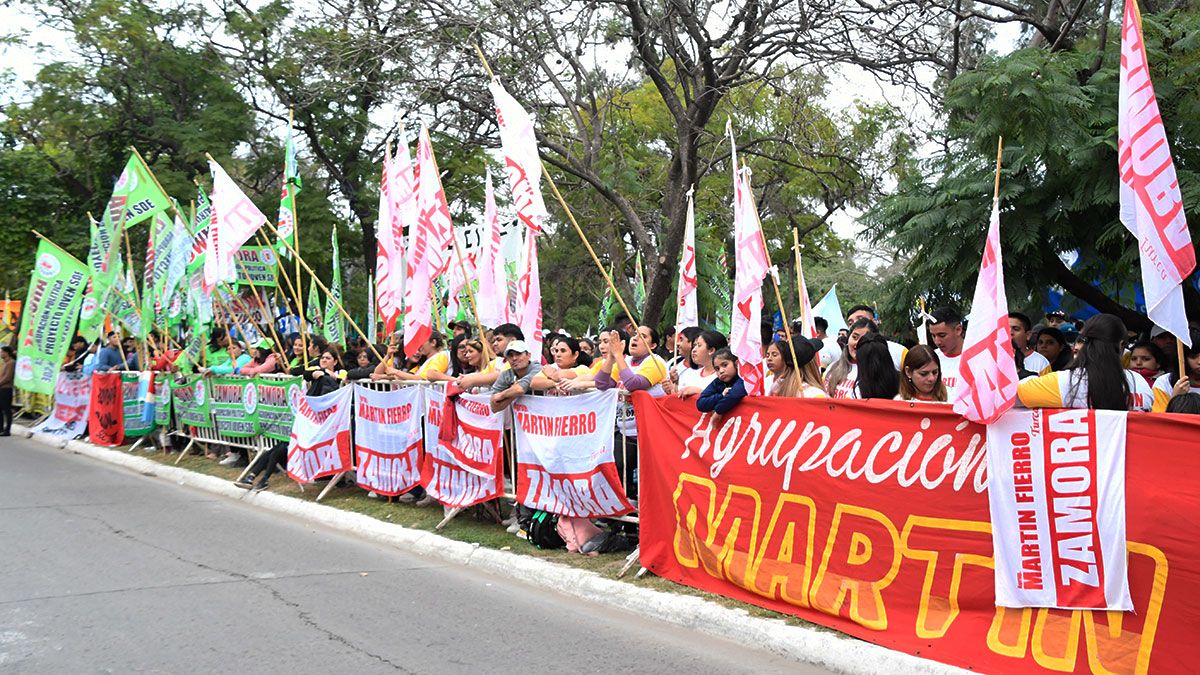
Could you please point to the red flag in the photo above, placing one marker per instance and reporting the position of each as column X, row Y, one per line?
column 425, row 257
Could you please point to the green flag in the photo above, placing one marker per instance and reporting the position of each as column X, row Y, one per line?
column 287, row 199
column 312, row 308
column 606, row 306
column 136, row 195
column 91, row 314
column 334, row 331
column 123, row 307
column 51, row 308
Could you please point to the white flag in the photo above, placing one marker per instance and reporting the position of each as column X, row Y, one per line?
column 234, row 220
column 493, row 285
column 522, row 162
column 688, row 313
column 1151, row 205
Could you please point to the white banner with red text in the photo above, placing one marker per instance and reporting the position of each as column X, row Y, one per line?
column 72, row 393
column 468, row 470
column 387, row 438
column 565, row 455
column 320, row 442
column 1057, row 499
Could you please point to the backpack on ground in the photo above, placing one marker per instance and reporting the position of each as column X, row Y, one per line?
column 543, row 531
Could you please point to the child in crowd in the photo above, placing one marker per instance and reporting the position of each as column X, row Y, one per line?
column 723, row 393
column 1147, row 360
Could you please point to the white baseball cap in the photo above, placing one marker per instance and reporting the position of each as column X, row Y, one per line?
column 517, row 346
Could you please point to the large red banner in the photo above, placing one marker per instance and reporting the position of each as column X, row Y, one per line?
column 871, row 517
column 106, row 411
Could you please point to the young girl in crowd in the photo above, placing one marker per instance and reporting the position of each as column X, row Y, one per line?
column 842, row 376
column 1172, row 385
column 921, row 378
column 703, row 371
column 1095, row 378
column 727, row 390
column 264, row 362
column 1052, row 345
column 787, row 380
column 1147, row 360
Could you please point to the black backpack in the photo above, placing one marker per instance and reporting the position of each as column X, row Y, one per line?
column 543, row 531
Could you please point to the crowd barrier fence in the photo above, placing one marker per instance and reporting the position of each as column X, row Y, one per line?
column 256, row 445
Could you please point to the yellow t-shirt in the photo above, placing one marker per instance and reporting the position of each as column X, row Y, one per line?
column 1054, row 390
column 439, row 362
column 653, row 368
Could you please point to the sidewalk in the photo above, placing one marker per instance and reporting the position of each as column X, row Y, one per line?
column 488, row 547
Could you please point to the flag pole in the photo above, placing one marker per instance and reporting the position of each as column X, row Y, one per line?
column 262, row 240
column 799, row 276
column 296, row 239
column 261, row 304
column 328, row 294
column 570, row 216
column 787, row 327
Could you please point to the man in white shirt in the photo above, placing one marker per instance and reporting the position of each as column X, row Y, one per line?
column 947, row 331
column 896, row 349
column 1021, row 328
column 830, row 349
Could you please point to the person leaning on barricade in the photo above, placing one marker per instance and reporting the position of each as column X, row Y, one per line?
column 327, row 377
column 502, row 336
column 436, row 360
column 516, row 380
column 643, row 371
column 571, row 370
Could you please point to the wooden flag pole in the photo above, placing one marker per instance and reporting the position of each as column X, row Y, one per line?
column 296, row 239
column 328, row 294
column 799, row 276
column 262, row 240
column 261, row 304
column 570, row 216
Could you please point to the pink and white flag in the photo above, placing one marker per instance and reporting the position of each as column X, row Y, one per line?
column 987, row 382
column 1151, row 204
column 529, row 295
column 687, row 313
column 807, row 325
column 493, row 285
column 387, row 251
column 751, row 265
column 1056, row 492
column 387, row 438
column 518, row 140
column 402, row 187
column 427, row 256
column 565, row 459
column 234, row 220
column 320, row 441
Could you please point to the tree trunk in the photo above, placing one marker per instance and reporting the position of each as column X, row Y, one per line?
column 1083, row 290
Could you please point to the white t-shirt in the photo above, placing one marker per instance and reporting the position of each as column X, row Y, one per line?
column 692, row 377
column 849, row 386
column 830, row 351
column 949, row 370
column 1068, row 389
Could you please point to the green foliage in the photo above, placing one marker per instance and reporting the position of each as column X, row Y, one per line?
column 1058, row 188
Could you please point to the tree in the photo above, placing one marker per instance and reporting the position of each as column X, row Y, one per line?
column 1057, row 114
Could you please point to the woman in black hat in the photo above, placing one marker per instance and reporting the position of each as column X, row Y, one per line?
column 786, row 379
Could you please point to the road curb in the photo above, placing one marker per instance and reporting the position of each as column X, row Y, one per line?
column 819, row 647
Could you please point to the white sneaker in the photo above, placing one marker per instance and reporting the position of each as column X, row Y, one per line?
column 230, row 459
column 372, row 495
column 515, row 527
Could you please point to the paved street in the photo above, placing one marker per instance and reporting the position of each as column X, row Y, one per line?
column 102, row 570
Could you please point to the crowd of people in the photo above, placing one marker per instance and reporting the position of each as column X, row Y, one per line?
column 1061, row 364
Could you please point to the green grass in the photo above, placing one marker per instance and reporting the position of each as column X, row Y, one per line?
column 467, row 529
